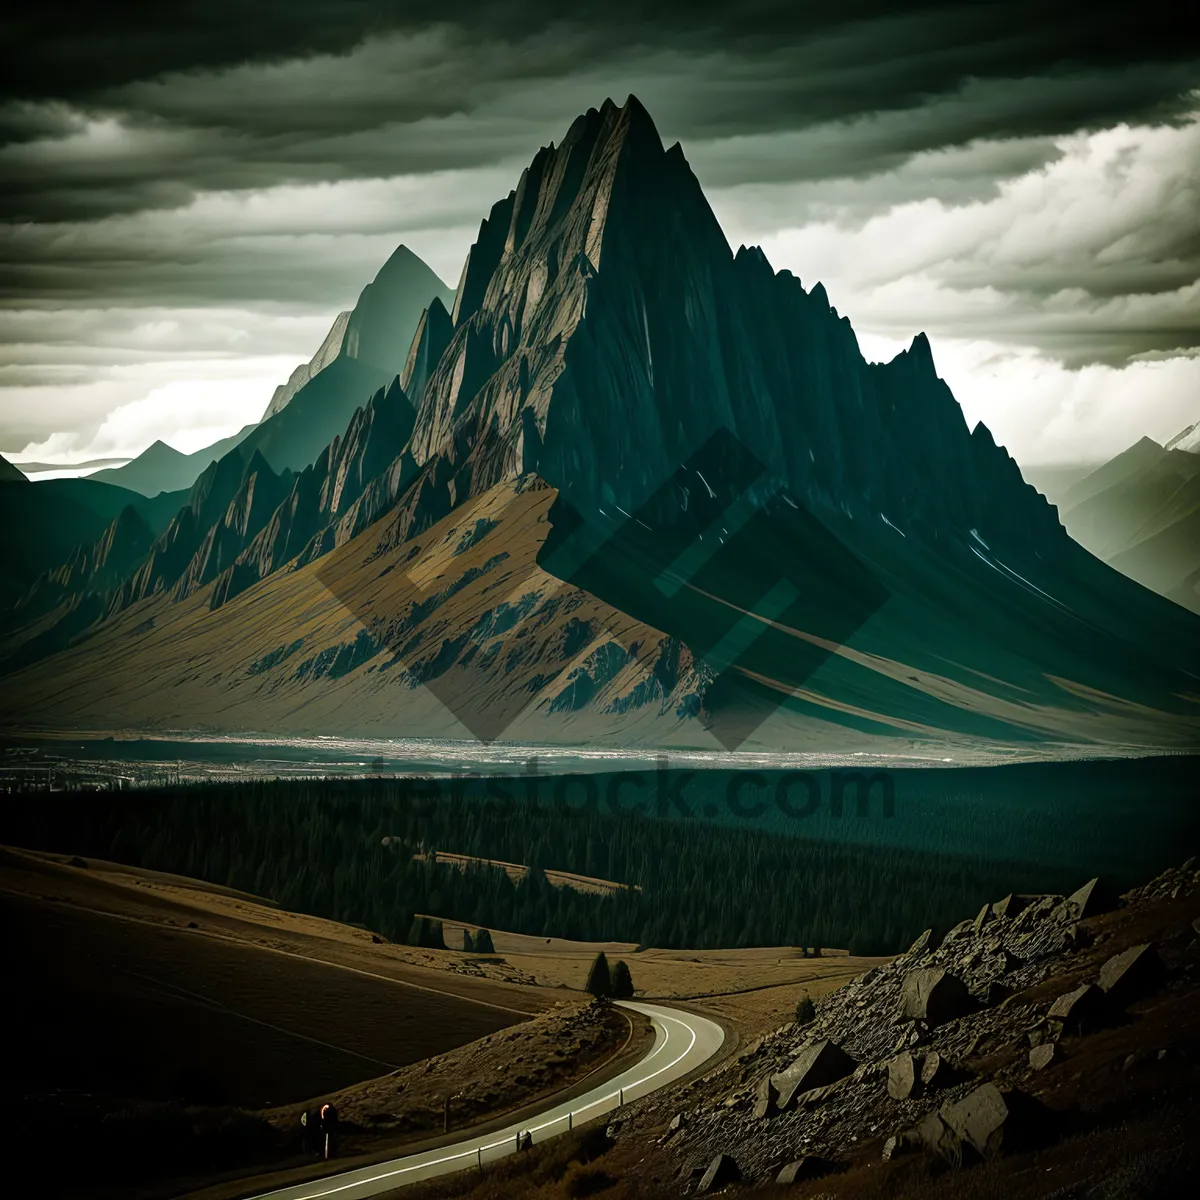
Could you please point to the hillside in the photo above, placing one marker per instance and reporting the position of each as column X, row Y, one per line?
column 1051, row 1053
column 43, row 523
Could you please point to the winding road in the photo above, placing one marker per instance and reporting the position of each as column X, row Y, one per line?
column 682, row 1042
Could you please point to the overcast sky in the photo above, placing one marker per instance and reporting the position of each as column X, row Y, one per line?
column 188, row 197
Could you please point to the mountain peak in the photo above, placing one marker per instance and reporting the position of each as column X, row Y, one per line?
column 922, row 351
column 9, row 473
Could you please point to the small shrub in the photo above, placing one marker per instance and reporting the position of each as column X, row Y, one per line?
column 586, row 1180
column 806, row 1011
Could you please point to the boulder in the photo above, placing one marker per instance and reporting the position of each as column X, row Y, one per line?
column 1041, row 1056
column 936, row 1072
column 720, row 1171
column 1092, row 899
column 1132, row 974
column 936, row 1136
column 933, row 995
column 1078, row 938
column 809, row 1167
column 814, row 1096
column 818, row 1064
column 766, row 1098
column 1043, row 1031
column 904, row 1076
column 1080, row 1011
column 978, row 1120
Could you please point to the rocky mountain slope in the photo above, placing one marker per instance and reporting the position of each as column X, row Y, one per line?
column 1043, row 1026
column 44, row 525
column 772, row 538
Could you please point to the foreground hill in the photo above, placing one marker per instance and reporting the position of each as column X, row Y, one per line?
column 634, row 487
column 174, row 1029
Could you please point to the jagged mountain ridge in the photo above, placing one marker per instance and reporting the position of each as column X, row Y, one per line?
column 602, row 329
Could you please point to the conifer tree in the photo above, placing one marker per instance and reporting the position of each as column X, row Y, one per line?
column 599, row 982
column 622, row 981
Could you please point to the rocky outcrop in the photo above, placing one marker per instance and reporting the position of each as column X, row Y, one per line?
column 380, row 327
column 329, row 349
column 970, row 1087
column 722, row 1170
column 357, row 477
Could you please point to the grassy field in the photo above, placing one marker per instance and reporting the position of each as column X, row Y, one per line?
column 183, row 1026
column 152, row 1008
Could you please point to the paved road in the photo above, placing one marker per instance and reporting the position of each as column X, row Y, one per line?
column 682, row 1041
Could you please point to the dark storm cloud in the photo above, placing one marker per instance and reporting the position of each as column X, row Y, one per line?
column 76, row 49
column 134, row 139
column 213, row 96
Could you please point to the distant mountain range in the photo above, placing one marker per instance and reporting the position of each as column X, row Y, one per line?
column 626, row 485
column 364, row 349
column 162, row 468
column 1140, row 512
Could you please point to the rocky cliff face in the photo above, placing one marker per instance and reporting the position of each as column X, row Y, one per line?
column 329, row 349
column 378, row 331
column 604, row 330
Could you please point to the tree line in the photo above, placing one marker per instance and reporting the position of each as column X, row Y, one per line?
column 358, row 851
